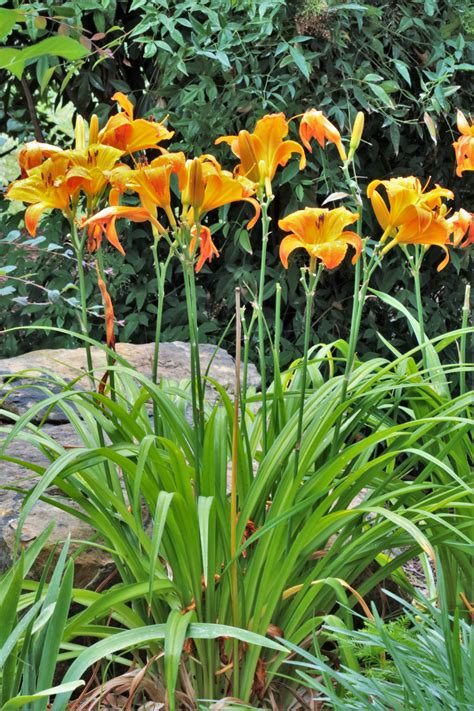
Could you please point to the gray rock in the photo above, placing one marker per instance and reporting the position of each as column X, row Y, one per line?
column 92, row 565
column 43, row 372
column 39, row 373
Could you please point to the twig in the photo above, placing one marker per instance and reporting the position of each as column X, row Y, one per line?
column 32, row 110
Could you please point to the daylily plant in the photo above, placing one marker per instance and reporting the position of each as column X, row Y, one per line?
column 464, row 146
column 102, row 168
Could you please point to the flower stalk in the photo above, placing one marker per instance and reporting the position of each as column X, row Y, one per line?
column 310, row 289
column 264, row 204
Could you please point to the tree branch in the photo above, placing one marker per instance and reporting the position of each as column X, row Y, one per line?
column 32, row 110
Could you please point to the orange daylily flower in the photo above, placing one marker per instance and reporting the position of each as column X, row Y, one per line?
column 262, row 151
column 314, row 124
column 45, row 188
column 92, row 167
column 207, row 248
column 33, row 153
column 414, row 215
column 321, row 233
column 152, row 182
column 103, row 223
column 462, row 223
column 205, row 186
column 464, row 146
column 130, row 135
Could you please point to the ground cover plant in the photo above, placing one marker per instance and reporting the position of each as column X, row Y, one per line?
column 236, row 527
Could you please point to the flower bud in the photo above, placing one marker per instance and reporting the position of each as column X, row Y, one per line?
column 93, row 129
column 194, row 194
column 80, row 134
column 356, row 135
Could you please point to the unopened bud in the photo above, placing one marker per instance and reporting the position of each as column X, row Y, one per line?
column 356, row 135
column 195, row 191
column 93, row 129
column 80, row 134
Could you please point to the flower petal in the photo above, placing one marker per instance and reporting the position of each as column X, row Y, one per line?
column 288, row 245
column 32, row 216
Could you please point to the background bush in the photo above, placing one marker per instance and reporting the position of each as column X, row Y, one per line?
column 216, row 66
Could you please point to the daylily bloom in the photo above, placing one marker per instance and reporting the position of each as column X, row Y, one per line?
column 104, row 223
column 464, row 146
column 262, row 151
column 91, row 168
column 314, row 124
column 46, row 188
column 414, row 215
column 462, row 223
column 130, row 135
column 205, row 186
column 207, row 248
column 321, row 233
column 33, row 154
column 152, row 182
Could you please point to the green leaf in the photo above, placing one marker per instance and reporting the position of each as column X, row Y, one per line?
column 59, row 46
column 8, row 19
column 20, row 702
column 381, row 94
column 403, row 70
column 176, row 629
column 300, row 61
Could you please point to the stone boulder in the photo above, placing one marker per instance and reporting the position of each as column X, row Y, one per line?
column 37, row 371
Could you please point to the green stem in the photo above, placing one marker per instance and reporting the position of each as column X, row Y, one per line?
column 265, row 202
column 161, row 270
column 419, row 308
column 78, row 245
column 462, row 349
column 360, row 292
column 196, row 385
column 233, row 495
column 243, row 397
column 310, row 291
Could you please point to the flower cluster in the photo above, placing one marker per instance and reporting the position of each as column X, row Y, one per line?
column 89, row 184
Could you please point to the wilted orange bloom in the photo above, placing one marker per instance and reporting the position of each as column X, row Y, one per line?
column 462, row 223
column 33, row 154
column 314, row 124
column 45, row 188
column 103, row 223
column 321, row 233
column 464, row 146
column 205, row 186
column 109, row 312
column 413, row 216
column 262, row 151
column 207, row 248
column 130, row 135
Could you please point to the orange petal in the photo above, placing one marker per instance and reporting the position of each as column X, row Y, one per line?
column 124, row 102
column 463, row 124
column 353, row 239
column 32, row 217
column 331, row 253
column 380, row 210
column 288, row 245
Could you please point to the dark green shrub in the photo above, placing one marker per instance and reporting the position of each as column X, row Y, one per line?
column 215, row 67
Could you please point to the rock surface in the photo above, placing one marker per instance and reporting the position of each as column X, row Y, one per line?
column 92, row 565
column 21, row 393
column 39, row 370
